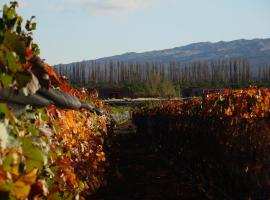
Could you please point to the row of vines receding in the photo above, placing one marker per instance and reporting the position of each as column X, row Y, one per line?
column 45, row 153
column 222, row 140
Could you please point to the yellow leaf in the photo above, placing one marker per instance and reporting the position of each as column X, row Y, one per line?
column 30, row 177
column 22, row 186
column 14, row 170
column 69, row 119
column 20, row 190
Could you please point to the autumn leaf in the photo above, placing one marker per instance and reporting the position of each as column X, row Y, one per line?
column 53, row 76
column 22, row 186
column 49, row 142
column 69, row 117
column 29, row 53
column 3, row 175
column 246, row 115
column 71, row 177
column 226, row 91
column 52, row 110
column 228, row 112
column 30, row 177
column 65, row 87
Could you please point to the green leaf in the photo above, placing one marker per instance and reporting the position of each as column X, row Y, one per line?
column 32, row 129
column 10, row 12
column 35, row 48
column 14, row 43
column 6, row 79
column 3, row 110
column 57, row 196
column 30, row 26
column 12, row 63
column 11, row 197
column 43, row 114
column 7, row 162
column 34, row 26
column 34, row 155
column 50, row 183
column 6, row 13
column 14, row 4
column 10, row 15
column 19, row 25
column 7, row 186
column 12, row 22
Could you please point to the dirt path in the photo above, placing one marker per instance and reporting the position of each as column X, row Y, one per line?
column 138, row 172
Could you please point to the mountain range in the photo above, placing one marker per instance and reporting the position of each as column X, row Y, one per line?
column 256, row 51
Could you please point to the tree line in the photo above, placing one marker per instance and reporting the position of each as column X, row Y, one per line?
column 220, row 72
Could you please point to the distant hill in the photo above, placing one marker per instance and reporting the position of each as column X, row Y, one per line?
column 235, row 61
column 256, row 51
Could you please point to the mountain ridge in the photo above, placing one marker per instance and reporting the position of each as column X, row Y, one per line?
column 256, row 51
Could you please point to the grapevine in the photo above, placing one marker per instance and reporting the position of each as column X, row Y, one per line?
column 48, row 152
column 223, row 139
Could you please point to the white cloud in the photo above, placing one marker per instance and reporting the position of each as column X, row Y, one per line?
column 111, row 7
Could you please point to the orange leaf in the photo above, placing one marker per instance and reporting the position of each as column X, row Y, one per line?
column 69, row 119
column 246, row 115
column 65, row 87
column 50, row 71
column 228, row 112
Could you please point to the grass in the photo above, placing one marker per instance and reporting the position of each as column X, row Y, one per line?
column 120, row 109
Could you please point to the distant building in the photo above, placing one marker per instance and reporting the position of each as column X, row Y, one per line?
column 117, row 93
column 200, row 91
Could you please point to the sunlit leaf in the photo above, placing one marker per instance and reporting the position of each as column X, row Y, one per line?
column 6, row 79
column 228, row 112
column 34, row 155
column 22, row 186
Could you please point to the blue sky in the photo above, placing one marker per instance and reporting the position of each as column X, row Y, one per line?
column 75, row 30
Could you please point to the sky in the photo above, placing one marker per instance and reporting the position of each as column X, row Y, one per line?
column 76, row 30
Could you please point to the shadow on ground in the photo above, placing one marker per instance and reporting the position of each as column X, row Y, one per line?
column 140, row 172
